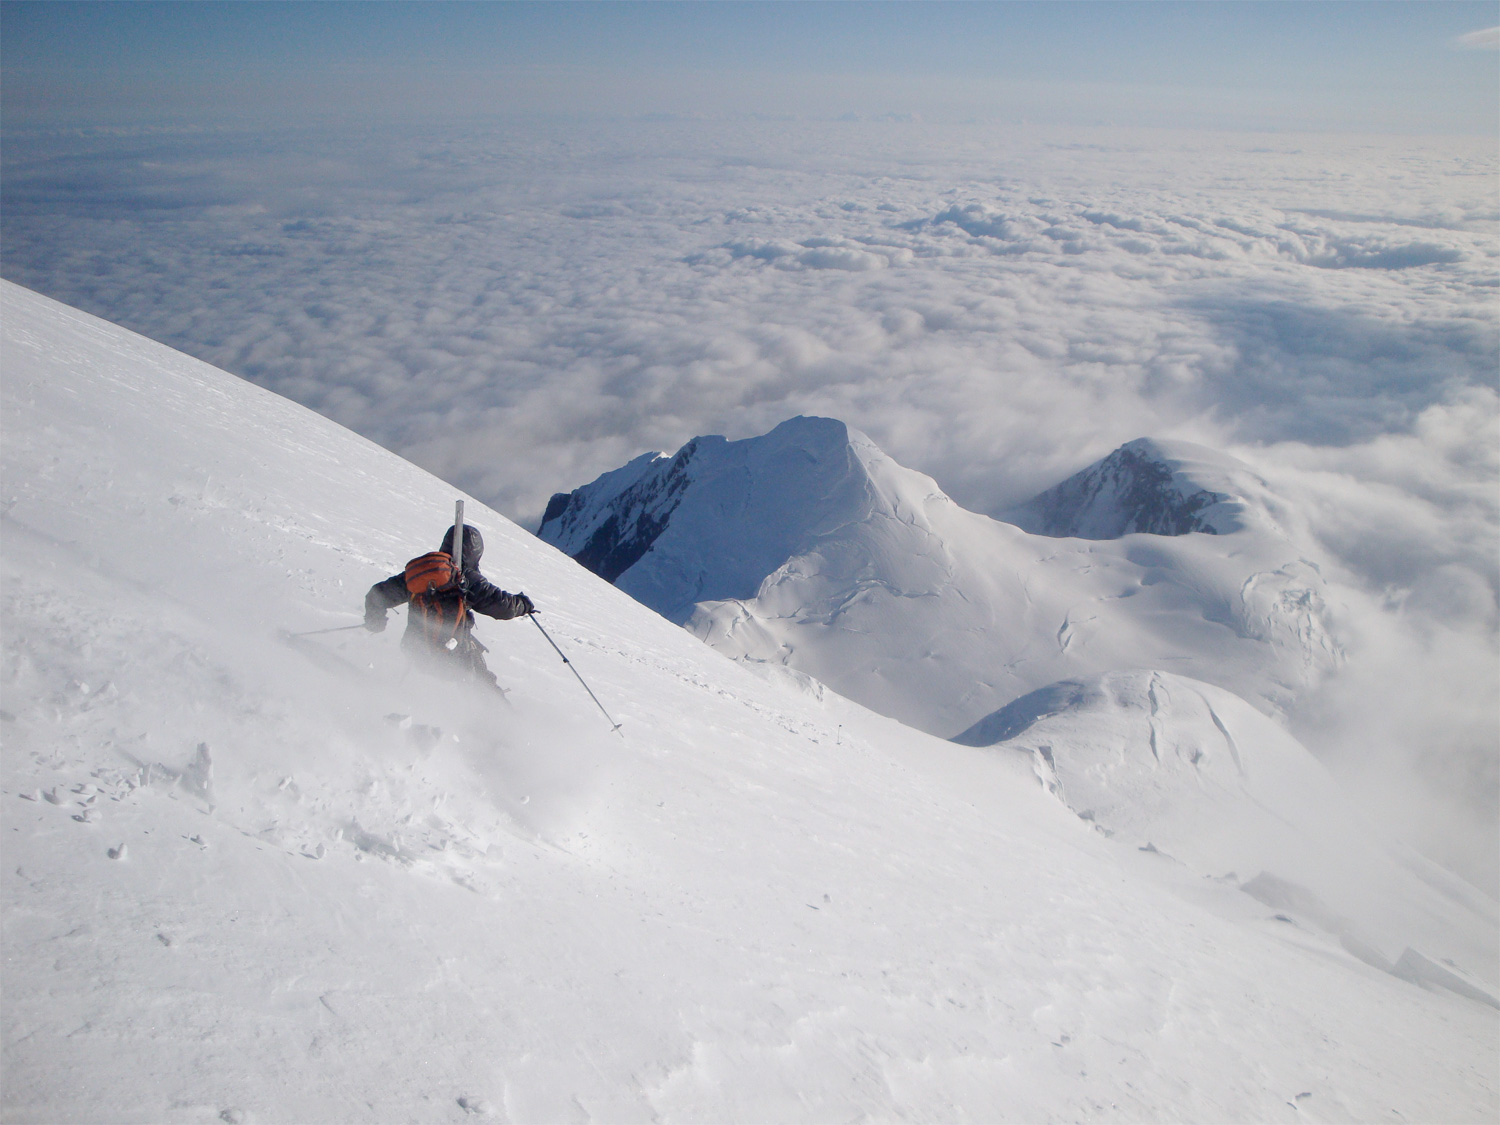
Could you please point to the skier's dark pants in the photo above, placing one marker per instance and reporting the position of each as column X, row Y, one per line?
column 463, row 662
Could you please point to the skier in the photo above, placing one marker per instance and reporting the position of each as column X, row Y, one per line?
column 440, row 623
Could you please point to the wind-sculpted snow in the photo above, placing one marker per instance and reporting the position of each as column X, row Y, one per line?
column 1179, row 768
column 248, row 880
column 809, row 547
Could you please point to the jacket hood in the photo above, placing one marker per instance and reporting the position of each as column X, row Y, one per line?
column 473, row 545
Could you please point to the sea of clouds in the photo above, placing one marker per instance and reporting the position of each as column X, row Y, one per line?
column 519, row 307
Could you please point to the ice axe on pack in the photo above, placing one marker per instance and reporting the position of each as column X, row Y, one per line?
column 457, row 567
column 614, row 726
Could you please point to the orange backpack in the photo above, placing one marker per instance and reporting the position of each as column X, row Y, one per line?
column 436, row 596
column 429, row 573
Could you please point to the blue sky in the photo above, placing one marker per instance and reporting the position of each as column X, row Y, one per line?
column 1381, row 67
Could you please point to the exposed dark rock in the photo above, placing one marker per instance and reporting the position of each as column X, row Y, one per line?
column 1131, row 491
column 636, row 517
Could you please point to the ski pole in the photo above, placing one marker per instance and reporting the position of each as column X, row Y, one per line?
column 335, row 629
column 613, row 725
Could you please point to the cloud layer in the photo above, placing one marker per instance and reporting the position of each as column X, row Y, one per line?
column 521, row 308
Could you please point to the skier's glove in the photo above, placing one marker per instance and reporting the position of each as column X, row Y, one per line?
column 375, row 624
column 525, row 604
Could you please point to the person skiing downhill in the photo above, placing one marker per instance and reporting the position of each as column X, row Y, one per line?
column 440, row 623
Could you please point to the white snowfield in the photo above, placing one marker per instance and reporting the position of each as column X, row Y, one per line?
column 809, row 547
column 252, row 881
column 1185, row 770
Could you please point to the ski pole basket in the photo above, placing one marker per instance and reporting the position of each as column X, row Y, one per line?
column 614, row 726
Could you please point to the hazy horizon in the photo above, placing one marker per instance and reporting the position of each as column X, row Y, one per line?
column 1371, row 67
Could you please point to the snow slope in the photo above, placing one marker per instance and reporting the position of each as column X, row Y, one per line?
column 251, row 882
column 811, row 548
column 1186, row 770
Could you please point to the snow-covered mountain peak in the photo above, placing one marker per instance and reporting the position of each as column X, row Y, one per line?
column 712, row 521
column 1150, row 486
column 810, row 547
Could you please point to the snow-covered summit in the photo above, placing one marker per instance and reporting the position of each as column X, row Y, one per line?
column 1146, row 486
column 712, row 521
column 810, row 547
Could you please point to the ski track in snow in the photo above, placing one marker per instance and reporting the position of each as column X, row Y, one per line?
column 243, row 885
